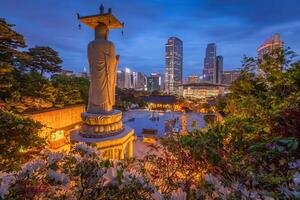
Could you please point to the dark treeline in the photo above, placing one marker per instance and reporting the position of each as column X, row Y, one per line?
column 23, row 84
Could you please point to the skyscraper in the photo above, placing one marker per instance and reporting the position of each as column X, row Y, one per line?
column 210, row 62
column 213, row 65
column 174, row 61
column 138, row 81
column 120, row 79
column 219, row 70
column 154, row 82
column 268, row 47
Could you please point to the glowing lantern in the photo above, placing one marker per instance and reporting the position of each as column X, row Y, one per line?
column 57, row 139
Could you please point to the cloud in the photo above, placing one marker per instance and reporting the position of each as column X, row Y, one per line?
column 237, row 26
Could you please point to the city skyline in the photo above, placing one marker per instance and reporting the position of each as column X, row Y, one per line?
column 229, row 26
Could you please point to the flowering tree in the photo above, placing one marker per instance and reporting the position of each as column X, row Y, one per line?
column 80, row 174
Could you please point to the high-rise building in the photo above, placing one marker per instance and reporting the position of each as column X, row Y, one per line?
column 174, row 62
column 193, row 79
column 219, row 69
column 155, row 82
column 125, row 78
column 130, row 80
column 138, row 81
column 229, row 76
column 120, row 79
column 268, row 47
column 213, row 65
column 210, row 62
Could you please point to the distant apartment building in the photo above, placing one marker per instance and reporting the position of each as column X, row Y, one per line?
column 174, row 62
column 139, row 81
column 155, row 82
column 229, row 76
column 193, row 79
column 213, row 65
column 82, row 74
column 267, row 47
column 66, row 72
column 124, row 78
column 127, row 79
column 120, row 79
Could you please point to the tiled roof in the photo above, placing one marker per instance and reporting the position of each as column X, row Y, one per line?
column 160, row 99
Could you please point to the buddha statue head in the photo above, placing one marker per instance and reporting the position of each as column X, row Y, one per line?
column 101, row 31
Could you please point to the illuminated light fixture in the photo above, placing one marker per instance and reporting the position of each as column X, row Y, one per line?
column 77, row 127
column 57, row 139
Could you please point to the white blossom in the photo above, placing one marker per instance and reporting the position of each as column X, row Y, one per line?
column 209, row 178
column 7, row 179
column 82, row 147
column 179, row 194
column 295, row 164
column 30, row 167
column 157, row 196
column 296, row 178
column 223, row 191
column 268, row 198
column 126, row 178
column 110, row 176
column 54, row 157
column 58, row 177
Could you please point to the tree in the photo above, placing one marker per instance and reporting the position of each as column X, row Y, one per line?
column 68, row 90
column 10, row 41
column 44, row 59
column 18, row 140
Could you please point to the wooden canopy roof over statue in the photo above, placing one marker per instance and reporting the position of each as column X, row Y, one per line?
column 106, row 18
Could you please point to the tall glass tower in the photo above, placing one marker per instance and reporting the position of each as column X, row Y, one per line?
column 210, row 62
column 213, row 65
column 174, row 62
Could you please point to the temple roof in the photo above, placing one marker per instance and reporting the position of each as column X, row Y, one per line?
column 160, row 99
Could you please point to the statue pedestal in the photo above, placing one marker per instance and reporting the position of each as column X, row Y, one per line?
column 112, row 138
column 101, row 125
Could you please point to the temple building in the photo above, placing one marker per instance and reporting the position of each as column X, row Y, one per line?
column 202, row 90
column 167, row 102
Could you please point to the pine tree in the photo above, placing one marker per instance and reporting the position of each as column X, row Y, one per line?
column 10, row 41
column 44, row 59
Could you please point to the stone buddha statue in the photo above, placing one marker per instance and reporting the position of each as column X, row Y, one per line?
column 103, row 66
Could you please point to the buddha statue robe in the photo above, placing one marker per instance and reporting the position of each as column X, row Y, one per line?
column 103, row 67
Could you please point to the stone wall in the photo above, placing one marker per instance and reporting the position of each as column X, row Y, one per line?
column 59, row 118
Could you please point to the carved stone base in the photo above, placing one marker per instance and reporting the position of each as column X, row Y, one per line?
column 101, row 125
column 113, row 147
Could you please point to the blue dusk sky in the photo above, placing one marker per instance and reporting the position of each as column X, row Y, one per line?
column 238, row 27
